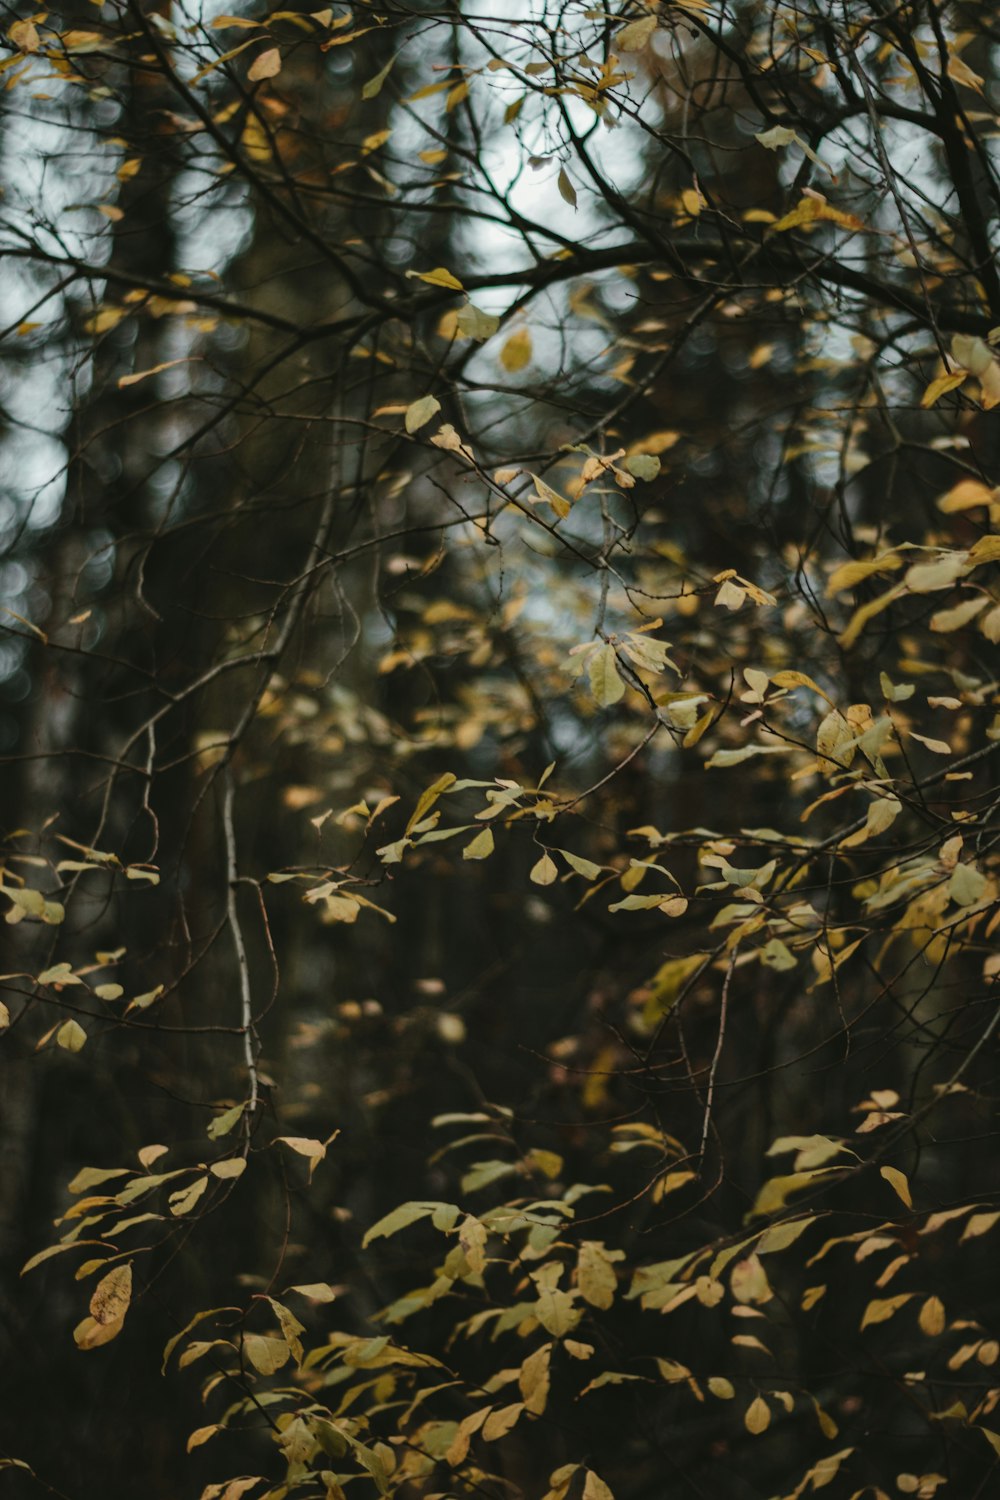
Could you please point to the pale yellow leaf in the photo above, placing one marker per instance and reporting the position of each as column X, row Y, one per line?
column 420, row 412
column 112, row 1295
column 605, row 682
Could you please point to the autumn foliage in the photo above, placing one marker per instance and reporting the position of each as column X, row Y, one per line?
column 499, row 706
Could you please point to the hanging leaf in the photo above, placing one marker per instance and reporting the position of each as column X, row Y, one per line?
column 635, row 37
column 265, row 1354
column 440, row 276
column 516, row 352
column 545, row 872
column 314, row 1151
column 420, row 412
column 71, row 1036
column 112, row 1295
column 566, row 189
column 224, row 1123
column 373, row 87
column 605, row 682
column 757, row 1417
column 476, row 324
column 267, row 65
column 186, row 1198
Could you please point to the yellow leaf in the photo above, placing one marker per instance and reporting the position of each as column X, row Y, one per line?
column 221, row 22
column 186, row 1198
column 965, row 495
column 438, row 277
column 898, row 1182
column 545, row 871
column 941, row 386
column 584, row 867
column 125, row 380
column 595, row 1274
column 316, row 1291
column 428, row 797
column 594, row 1487
column 265, row 1354
column 143, row 1002
column 91, row 1335
column 932, row 1317
column 313, row 1150
column 634, row 38
column 516, row 352
column 420, row 412
column 501, row 1421
column 987, row 549
column 963, row 74
column 24, row 36
column 374, row 85
column 267, row 65
column 533, row 1380
column 777, row 1190
column 481, row 846
column 979, row 1224
column 201, row 1435
column 544, row 491
column 556, row 1312
column 812, row 209
column 566, row 189
column 476, row 324
column 851, row 573
column 867, row 612
column 605, row 682
column 112, row 1295
column 71, row 1036
column 883, row 1308
column 956, row 618
column 757, row 1417
column 232, row 1166
column 223, row 1124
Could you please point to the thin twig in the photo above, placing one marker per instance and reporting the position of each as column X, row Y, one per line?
column 232, row 916
column 723, row 1012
